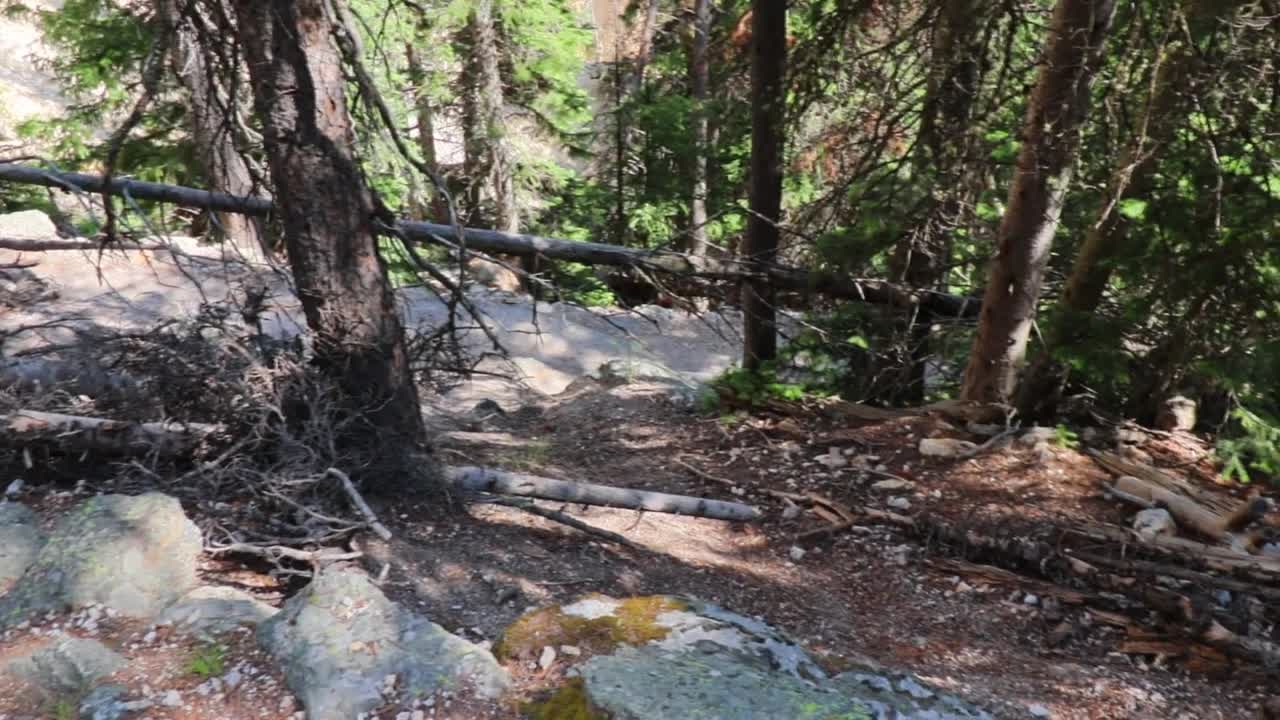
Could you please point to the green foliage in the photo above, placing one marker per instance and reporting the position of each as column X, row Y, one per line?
column 1065, row 438
column 579, row 284
column 739, row 387
column 207, row 661
column 1253, row 450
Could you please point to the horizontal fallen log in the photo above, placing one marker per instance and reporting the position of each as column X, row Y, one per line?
column 42, row 245
column 479, row 479
column 492, row 241
column 23, row 427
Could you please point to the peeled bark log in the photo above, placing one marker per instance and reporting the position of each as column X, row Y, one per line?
column 24, row 427
column 478, row 479
column 876, row 292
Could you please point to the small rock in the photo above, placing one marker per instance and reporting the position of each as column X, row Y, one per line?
column 547, row 658
column 1039, row 711
column 172, row 699
column 791, row 512
column 406, row 715
column 233, row 678
column 1154, row 522
column 1036, row 435
column 833, row 460
column 899, row 503
column 418, row 715
column 570, row 650
column 15, row 488
column 797, row 553
column 963, row 587
column 1030, row 599
column 945, row 447
column 892, row 485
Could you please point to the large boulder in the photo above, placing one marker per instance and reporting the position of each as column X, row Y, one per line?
column 340, row 639
column 661, row 656
column 27, row 225
column 134, row 555
column 20, row 542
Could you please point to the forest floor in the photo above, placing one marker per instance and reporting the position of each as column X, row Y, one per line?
column 867, row 592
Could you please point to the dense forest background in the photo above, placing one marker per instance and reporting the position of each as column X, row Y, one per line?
column 1117, row 159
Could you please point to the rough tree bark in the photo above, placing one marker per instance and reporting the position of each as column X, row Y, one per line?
column 488, row 157
column 1181, row 72
column 425, row 115
column 328, row 212
column 768, row 103
column 211, row 126
column 945, row 139
column 1050, row 138
column 700, row 74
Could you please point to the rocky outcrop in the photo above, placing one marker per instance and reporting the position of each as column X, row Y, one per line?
column 20, row 542
column 132, row 555
column 672, row 657
column 346, row 649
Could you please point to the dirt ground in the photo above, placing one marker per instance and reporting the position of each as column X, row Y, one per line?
column 866, row 593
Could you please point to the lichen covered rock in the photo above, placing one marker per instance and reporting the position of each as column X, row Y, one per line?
column 20, row 542
column 340, row 639
column 661, row 656
column 133, row 555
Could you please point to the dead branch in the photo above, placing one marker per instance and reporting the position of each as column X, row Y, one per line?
column 23, row 427
column 275, row 553
column 479, row 479
column 42, row 245
column 374, row 524
column 501, row 243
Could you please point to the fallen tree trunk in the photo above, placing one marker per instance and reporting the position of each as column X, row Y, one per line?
column 113, row 436
column 478, row 479
column 502, row 243
column 39, row 245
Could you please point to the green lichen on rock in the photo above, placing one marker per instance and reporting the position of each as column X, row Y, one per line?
column 596, row 623
column 134, row 555
column 567, row 703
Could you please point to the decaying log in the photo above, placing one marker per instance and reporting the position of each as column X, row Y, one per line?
column 500, row 243
column 479, row 479
column 112, row 436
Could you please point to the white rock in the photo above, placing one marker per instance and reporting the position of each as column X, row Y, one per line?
column 791, row 512
column 796, row 552
column 945, row 447
column 547, row 658
column 15, row 488
column 570, row 650
column 1154, row 522
column 833, row 460
column 899, row 503
column 172, row 699
column 892, row 485
column 1039, row 711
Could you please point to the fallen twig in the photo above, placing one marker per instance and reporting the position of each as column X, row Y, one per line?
column 374, row 524
column 565, row 519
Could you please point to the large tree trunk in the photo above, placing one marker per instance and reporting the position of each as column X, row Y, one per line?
column 923, row 254
column 1177, row 78
column 768, row 104
column 700, row 74
column 212, row 127
column 1055, row 113
column 328, row 211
